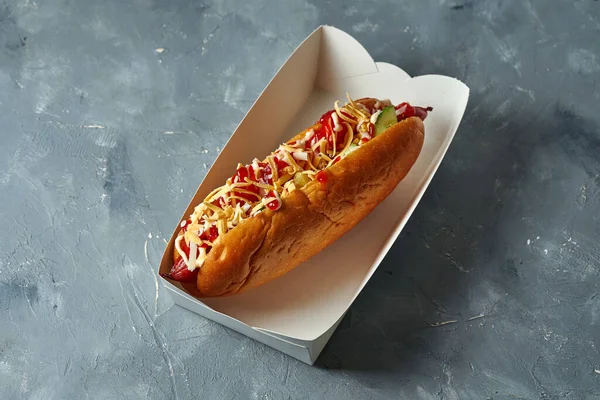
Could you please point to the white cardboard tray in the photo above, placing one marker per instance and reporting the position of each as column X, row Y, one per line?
column 297, row 313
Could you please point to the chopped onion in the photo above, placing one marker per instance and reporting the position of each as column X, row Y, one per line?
column 300, row 155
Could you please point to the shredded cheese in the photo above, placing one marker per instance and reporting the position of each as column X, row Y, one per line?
column 288, row 148
column 310, row 164
column 348, row 140
column 201, row 257
column 264, row 185
column 245, row 200
column 342, row 116
column 290, row 186
column 222, row 226
column 273, row 167
column 211, row 195
column 194, row 227
column 192, row 237
column 323, row 147
column 290, row 160
column 353, row 104
column 318, row 144
column 258, row 207
column 237, row 199
column 285, row 178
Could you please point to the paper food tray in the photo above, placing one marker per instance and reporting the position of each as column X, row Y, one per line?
column 298, row 312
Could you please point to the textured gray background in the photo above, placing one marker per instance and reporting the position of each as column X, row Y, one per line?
column 103, row 139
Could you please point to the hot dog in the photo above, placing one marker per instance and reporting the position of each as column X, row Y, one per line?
column 274, row 214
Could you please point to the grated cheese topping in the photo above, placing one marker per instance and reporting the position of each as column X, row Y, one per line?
column 261, row 184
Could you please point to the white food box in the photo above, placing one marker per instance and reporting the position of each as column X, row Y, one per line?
column 298, row 313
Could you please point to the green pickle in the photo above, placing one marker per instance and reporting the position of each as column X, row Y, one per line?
column 386, row 118
column 300, row 180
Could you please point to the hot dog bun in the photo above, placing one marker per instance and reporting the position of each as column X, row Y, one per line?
column 271, row 243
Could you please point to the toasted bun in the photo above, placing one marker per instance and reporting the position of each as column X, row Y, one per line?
column 272, row 243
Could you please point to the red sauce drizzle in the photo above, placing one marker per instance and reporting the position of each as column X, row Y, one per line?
column 273, row 204
column 321, row 177
column 240, row 176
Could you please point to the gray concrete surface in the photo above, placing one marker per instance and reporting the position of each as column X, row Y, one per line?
column 110, row 112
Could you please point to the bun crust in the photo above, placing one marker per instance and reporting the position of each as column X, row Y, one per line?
column 272, row 243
